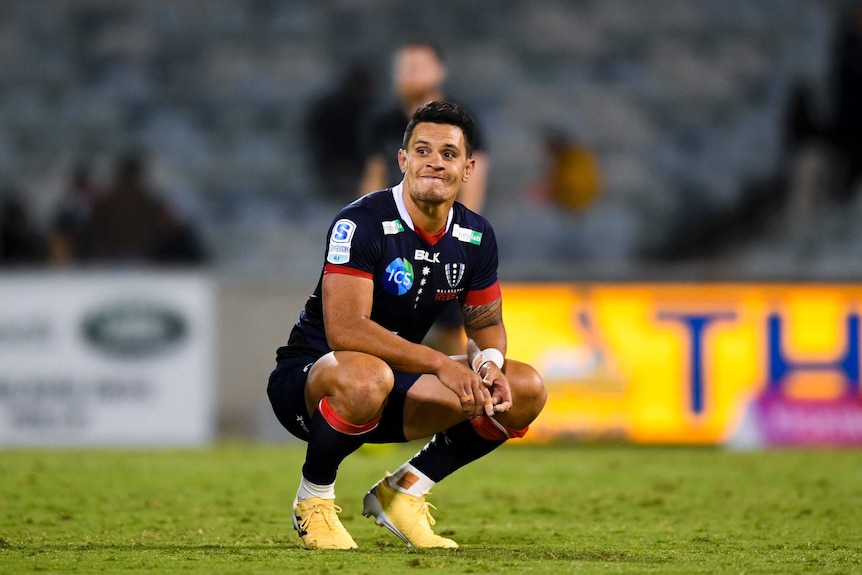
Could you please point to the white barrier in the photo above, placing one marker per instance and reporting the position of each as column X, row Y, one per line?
column 104, row 358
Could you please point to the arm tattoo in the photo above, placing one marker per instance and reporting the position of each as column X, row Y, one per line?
column 479, row 316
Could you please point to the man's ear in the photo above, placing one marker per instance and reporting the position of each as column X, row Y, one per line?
column 468, row 169
column 402, row 160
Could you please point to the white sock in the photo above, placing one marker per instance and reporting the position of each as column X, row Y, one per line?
column 407, row 479
column 308, row 489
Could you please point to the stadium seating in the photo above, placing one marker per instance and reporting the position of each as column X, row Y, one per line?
column 680, row 99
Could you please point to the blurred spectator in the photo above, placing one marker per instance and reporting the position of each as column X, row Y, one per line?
column 847, row 94
column 418, row 75
column 68, row 234
column 180, row 243
column 20, row 243
column 801, row 124
column 334, row 132
column 807, row 159
column 130, row 224
column 573, row 179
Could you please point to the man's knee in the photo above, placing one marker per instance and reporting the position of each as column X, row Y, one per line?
column 356, row 386
column 528, row 392
column 528, row 399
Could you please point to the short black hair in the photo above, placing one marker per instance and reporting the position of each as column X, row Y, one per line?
column 441, row 112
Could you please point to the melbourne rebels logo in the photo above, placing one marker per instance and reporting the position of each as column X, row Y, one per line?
column 454, row 273
column 398, row 277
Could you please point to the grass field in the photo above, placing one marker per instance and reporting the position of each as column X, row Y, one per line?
column 524, row 509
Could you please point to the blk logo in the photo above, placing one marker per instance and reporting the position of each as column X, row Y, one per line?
column 423, row 256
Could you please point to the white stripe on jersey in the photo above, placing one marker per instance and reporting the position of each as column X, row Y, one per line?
column 402, row 209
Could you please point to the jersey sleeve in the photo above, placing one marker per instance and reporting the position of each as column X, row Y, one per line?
column 355, row 243
column 484, row 286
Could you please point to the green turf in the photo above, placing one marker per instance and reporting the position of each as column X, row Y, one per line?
column 523, row 509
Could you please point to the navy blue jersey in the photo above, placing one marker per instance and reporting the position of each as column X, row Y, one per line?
column 415, row 275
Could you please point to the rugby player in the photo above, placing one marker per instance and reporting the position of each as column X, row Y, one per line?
column 354, row 371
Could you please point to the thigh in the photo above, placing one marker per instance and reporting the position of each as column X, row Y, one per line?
column 418, row 406
column 357, row 384
column 429, row 408
column 289, row 394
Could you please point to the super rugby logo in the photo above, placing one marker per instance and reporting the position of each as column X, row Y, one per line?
column 339, row 242
column 398, row 277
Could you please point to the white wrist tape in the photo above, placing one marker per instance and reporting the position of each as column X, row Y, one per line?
column 490, row 354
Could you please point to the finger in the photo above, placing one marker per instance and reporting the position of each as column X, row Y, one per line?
column 478, row 409
column 488, row 402
column 466, row 403
column 503, row 393
column 470, row 406
column 503, row 407
column 490, row 408
column 480, row 392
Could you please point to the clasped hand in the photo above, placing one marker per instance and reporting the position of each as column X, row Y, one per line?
column 485, row 392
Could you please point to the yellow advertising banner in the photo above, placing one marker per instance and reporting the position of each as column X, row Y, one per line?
column 751, row 364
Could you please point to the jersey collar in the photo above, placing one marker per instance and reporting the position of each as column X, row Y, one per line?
column 402, row 209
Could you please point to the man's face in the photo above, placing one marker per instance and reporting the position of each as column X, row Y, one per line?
column 435, row 162
column 417, row 71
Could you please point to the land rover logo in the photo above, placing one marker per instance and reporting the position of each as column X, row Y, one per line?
column 134, row 330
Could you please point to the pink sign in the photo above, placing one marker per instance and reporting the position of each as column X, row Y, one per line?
column 783, row 421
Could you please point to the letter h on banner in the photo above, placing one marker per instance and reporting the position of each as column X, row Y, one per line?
column 780, row 367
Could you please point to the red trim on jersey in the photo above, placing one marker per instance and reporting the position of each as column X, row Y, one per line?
column 431, row 238
column 483, row 296
column 338, row 423
column 338, row 269
column 488, row 429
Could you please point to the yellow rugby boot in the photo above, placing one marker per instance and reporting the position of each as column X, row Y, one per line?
column 316, row 521
column 406, row 516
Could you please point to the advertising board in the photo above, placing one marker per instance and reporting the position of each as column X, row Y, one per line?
column 107, row 359
column 740, row 364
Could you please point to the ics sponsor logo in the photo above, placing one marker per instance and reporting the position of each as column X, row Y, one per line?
column 398, row 277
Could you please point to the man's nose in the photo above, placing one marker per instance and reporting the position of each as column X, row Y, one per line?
column 435, row 161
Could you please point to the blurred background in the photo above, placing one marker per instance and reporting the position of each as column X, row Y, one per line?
column 628, row 141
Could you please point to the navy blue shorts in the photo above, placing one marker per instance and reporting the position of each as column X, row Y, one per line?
column 286, row 391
